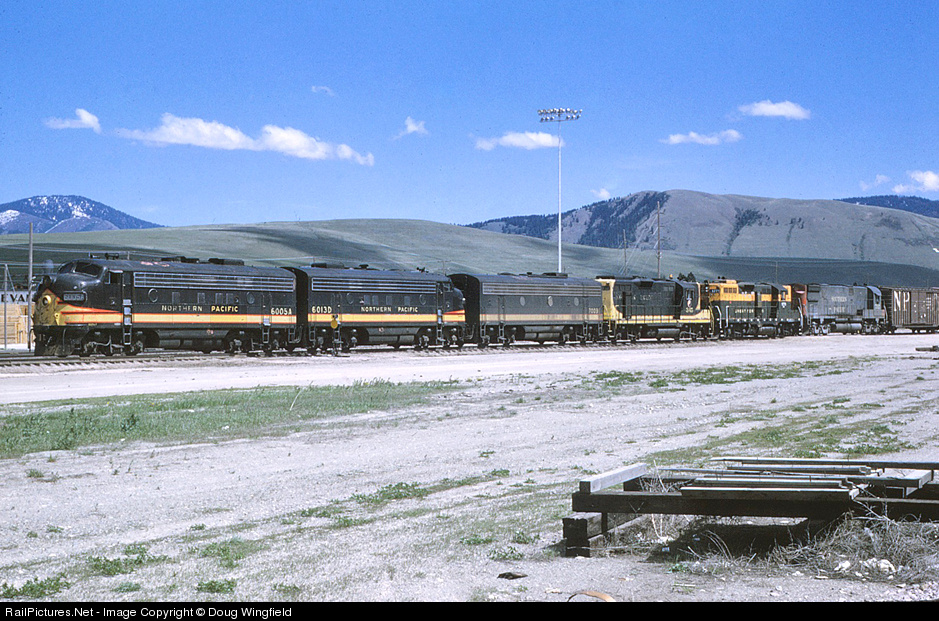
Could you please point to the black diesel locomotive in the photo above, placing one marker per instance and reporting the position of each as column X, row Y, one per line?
column 107, row 305
column 341, row 308
column 548, row 307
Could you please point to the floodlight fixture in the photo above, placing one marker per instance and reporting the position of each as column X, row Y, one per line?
column 559, row 115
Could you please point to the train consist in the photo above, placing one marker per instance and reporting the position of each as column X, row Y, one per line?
column 107, row 305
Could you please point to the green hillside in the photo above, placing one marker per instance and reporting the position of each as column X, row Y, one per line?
column 442, row 248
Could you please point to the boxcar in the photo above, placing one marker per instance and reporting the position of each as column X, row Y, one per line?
column 108, row 305
column 345, row 307
column 741, row 309
column 646, row 308
column 908, row 308
column 549, row 307
column 841, row 308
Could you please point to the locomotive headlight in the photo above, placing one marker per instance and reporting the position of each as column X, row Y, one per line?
column 46, row 300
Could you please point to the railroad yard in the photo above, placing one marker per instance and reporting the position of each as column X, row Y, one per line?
column 456, row 492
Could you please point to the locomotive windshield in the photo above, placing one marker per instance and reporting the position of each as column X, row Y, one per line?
column 81, row 267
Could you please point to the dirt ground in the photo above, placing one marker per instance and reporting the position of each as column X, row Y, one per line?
column 302, row 516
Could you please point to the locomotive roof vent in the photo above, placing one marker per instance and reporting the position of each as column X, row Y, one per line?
column 226, row 261
column 323, row 264
column 555, row 274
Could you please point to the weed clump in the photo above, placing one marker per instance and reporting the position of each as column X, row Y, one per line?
column 870, row 548
column 35, row 588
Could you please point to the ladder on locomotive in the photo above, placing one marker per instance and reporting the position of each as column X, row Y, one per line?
column 441, row 297
column 127, row 311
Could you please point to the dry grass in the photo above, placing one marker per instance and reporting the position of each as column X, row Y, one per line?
column 870, row 548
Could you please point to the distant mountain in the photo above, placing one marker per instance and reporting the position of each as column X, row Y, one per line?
column 64, row 214
column 602, row 224
column 913, row 204
column 711, row 225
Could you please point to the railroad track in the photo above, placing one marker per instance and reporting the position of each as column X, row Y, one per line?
column 19, row 360
column 25, row 360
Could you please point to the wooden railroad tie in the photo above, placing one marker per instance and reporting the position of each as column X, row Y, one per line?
column 606, row 506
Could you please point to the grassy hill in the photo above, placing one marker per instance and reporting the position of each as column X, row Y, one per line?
column 695, row 223
column 442, row 248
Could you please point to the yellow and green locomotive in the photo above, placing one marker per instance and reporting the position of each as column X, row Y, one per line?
column 647, row 308
column 746, row 309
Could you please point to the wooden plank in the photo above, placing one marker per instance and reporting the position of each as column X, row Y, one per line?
column 763, row 482
column 673, row 503
column 807, row 469
column 897, row 478
column 613, row 477
column 872, row 463
column 771, row 494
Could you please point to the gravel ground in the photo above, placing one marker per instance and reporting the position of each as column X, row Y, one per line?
column 302, row 516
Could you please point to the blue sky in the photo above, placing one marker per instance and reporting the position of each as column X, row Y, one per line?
column 222, row 112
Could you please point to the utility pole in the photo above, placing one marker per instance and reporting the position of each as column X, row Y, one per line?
column 6, row 278
column 624, row 252
column 558, row 115
column 658, row 240
column 29, row 295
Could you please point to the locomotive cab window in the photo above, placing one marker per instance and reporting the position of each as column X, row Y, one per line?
column 88, row 269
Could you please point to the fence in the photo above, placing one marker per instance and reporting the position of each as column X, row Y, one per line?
column 13, row 323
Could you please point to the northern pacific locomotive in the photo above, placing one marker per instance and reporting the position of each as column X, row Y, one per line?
column 108, row 305
column 505, row 308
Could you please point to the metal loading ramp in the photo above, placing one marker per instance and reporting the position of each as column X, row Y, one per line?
column 815, row 489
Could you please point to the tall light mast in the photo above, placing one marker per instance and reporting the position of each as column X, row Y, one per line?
column 559, row 115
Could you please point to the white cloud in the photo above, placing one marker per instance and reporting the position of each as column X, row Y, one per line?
column 728, row 135
column 785, row 109
column 83, row 120
column 603, row 194
column 925, row 181
column 215, row 135
column 324, row 89
column 878, row 180
column 519, row 140
column 412, row 127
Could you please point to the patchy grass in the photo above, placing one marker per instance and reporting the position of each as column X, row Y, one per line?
column 728, row 374
column 222, row 587
column 396, row 491
column 228, row 553
column 198, row 416
column 814, row 434
column 135, row 556
column 35, row 588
